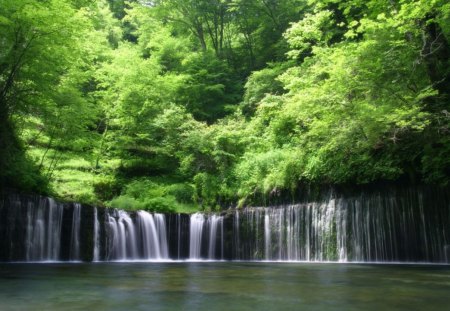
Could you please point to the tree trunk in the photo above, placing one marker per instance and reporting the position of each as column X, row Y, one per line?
column 200, row 35
column 436, row 53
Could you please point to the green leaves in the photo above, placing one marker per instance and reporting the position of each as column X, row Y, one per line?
column 226, row 100
column 351, row 111
column 312, row 30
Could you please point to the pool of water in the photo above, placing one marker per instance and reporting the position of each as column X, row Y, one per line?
column 223, row 286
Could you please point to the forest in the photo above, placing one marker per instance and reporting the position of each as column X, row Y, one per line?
column 186, row 105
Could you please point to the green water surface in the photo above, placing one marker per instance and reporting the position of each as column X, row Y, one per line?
column 223, row 286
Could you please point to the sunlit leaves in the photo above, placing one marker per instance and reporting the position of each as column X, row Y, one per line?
column 310, row 31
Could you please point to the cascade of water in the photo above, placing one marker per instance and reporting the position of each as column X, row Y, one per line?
column 236, row 234
column 43, row 237
column 195, row 238
column 54, row 229
column 214, row 222
column 267, row 238
column 112, row 235
column 130, row 235
column 96, row 238
column 292, row 229
column 341, row 231
column 222, row 239
column 385, row 226
column 147, row 228
column 121, row 250
column 75, row 237
column 153, row 235
column 35, row 233
column 121, row 234
column 365, row 228
column 144, row 238
column 280, row 227
column 303, row 232
column 160, row 220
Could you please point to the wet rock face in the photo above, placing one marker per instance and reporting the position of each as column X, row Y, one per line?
column 178, row 235
column 13, row 227
column 405, row 224
column 35, row 228
column 87, row 233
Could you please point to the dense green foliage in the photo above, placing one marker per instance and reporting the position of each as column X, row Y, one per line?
column 184, row 104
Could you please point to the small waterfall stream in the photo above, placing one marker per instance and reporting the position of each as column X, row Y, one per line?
column 216, row 241
column 404, row 226
column 195, row 237
column 206, row 237
column 141, row 238
column 75, row 241
column 153, row 236
column 96, row 253
column 43, row 230
column 160, row 221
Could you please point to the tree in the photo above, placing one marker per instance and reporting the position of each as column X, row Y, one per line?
column 39, row 41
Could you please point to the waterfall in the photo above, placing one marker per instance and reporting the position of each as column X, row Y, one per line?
column 152, row 230
column 160, row 221
column 143, row 238
column 267, row 239
column 112, row 235
column 96, row 238
column 206, row 233
column 398, row 225
column 222, row 239
column 236, row 235
column 129, row 239
column 303, row 232
column 122, row 236
column 150, row 243
column 75, row 238
column 195, row 237
column 375, row 228
column 215, row 223
column 43, row 229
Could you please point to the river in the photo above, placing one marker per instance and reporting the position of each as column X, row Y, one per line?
column 223, row 286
